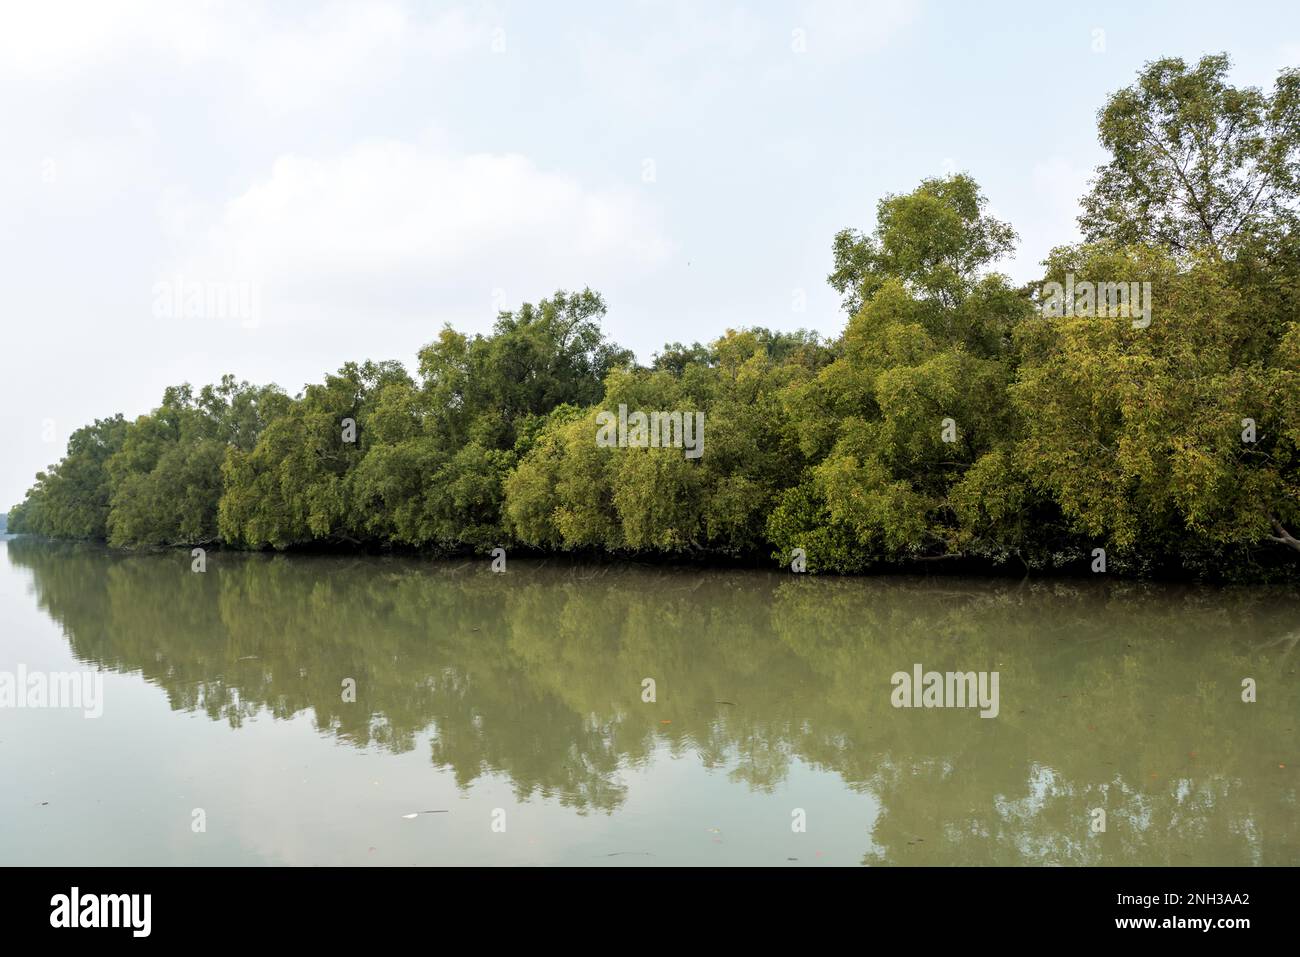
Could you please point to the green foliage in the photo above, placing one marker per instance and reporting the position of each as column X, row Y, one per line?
column 1139, row 433
column 166, row 479
column 293, row 486
column 933, row 239
column 568, row 492
column 1196, row 162
column 71, row 499
column 918, row 394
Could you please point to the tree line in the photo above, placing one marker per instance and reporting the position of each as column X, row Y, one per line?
column 952, row 419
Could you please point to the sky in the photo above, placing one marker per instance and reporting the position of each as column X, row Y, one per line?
column 189, row 189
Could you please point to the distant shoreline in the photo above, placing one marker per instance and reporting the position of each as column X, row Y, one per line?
column 1281, row 574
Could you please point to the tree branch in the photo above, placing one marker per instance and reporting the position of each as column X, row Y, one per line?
column 1283, row 536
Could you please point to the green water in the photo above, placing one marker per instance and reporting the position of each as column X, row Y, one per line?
column 512, row 704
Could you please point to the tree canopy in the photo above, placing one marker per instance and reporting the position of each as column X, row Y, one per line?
column 954, row 419
column 1195, row 162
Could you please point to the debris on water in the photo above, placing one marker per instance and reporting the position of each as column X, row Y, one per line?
column 45, row 804
column 415, row 814
column 732, row 703
column 410, row 817
column 248, row 658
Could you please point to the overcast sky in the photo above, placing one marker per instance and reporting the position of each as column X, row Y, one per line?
column 373, row 170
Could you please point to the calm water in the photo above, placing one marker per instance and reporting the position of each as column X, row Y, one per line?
column 517, row 698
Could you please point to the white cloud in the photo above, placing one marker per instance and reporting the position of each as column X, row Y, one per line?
column 396, row 226
column 343, row 45
column 63, row 36
column 282, row 62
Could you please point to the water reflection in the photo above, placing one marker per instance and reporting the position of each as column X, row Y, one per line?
column 1121, row 697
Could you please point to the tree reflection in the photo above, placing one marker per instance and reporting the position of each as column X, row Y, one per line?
column 1120, row 697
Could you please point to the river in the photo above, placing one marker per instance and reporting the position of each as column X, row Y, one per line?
column 320, row 710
